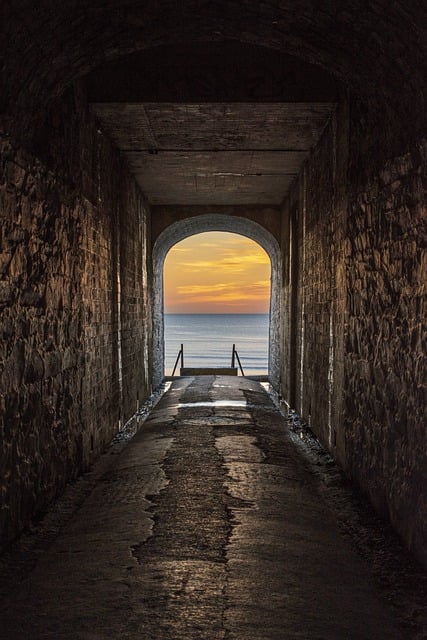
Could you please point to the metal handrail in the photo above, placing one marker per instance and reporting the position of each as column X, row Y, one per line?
column 180, row 356
column 235, row 355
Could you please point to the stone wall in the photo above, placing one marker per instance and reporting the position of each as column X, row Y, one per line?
column 386, row 344
column 135, row 302
column 354, row 310
column 72, row 220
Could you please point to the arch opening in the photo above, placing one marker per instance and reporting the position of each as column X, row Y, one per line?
column 215, row 222
column 217, row 289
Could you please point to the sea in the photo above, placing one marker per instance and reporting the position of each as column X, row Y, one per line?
column 208, row 340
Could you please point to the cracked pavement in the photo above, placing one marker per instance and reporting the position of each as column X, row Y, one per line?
column 206, row 526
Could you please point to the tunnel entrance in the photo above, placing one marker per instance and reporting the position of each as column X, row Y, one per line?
column 216, row 304
column 196, row 225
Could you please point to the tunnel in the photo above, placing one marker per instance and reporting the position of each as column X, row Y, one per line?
column 128, row 126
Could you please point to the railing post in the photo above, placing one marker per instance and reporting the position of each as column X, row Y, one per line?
column 240, row 364
column 179, row 357
column 233, row 360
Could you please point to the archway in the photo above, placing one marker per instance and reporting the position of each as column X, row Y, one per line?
column 215, row 222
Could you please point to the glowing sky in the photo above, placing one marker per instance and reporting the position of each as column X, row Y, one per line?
column 217, row 272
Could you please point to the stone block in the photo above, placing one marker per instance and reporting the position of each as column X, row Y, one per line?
column 32, row 297
column 34, row 367
column 7, row 293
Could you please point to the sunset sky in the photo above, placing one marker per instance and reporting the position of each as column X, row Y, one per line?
column 217, row 272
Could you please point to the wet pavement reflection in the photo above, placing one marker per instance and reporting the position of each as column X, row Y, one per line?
column 206, row 525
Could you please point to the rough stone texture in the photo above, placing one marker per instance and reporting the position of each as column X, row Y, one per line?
column 42, row 331
column 386, row 343
column 135, row 300
column 61, row 394
column 356, row 289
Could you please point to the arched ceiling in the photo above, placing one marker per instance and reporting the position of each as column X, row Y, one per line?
column 212, row 101
column 368, row 45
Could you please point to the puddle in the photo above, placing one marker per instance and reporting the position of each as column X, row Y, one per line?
column 215, row 403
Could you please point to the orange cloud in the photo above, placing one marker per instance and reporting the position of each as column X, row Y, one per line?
column 228, row 289
column 217, row 272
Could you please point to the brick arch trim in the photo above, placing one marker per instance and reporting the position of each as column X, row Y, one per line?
column 215, row 222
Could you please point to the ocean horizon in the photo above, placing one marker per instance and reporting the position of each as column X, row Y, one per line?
column 208, row 340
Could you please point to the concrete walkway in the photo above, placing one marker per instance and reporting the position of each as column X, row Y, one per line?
column 208, row 526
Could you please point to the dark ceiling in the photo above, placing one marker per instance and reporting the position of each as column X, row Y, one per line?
column 212, row 124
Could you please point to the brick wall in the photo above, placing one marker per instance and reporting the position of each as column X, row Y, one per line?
column 355, row 336
column 72, row 220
